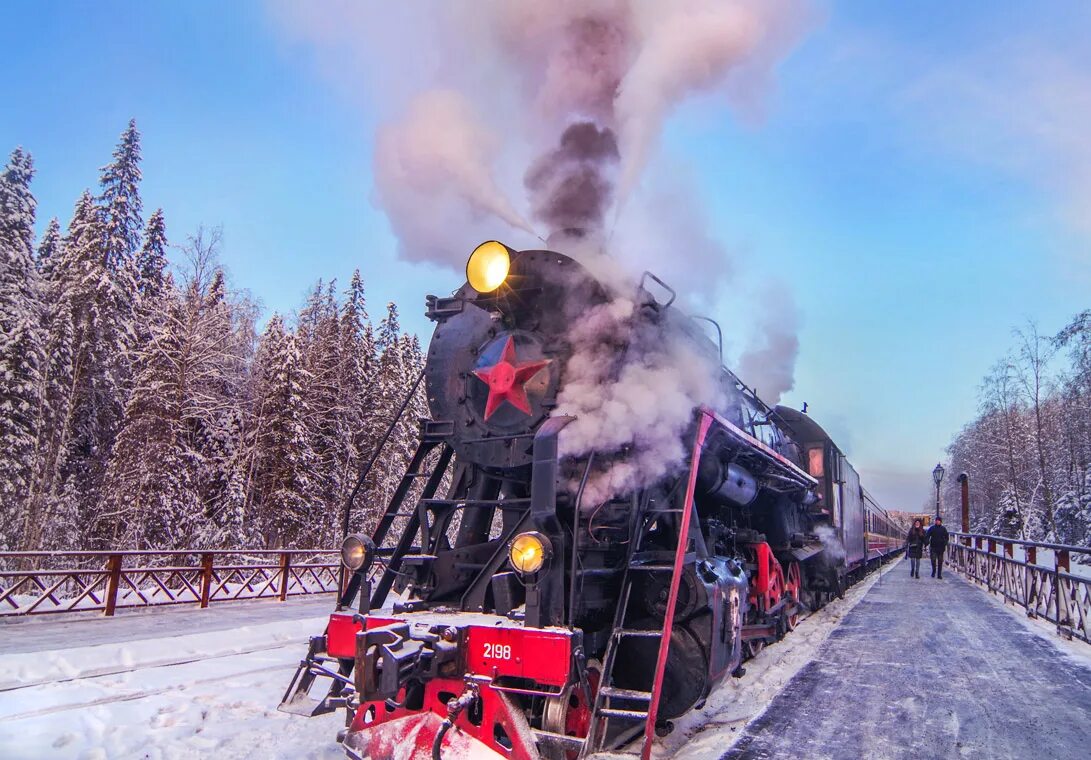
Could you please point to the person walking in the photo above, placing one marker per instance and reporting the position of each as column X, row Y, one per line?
column 937, row 537
column 914, row 548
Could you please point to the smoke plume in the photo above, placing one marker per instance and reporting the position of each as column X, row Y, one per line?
column 572, row 96
column 569, row 187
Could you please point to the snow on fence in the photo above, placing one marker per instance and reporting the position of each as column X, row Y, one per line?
column 44, row 582
column 1048, row 591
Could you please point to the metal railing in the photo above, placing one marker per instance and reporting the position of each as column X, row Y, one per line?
column 34, row 583
column 1041, row 581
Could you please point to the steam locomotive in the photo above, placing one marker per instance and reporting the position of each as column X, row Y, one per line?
column 498, row 610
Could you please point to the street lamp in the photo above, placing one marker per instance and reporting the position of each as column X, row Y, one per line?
column 937, row 475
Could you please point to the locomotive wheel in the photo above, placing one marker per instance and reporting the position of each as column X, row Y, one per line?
column 794, row 588
column 752, row 647
column 569, row 713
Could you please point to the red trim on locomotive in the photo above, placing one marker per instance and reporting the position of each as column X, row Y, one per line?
column 540, row 659
column 380, row 730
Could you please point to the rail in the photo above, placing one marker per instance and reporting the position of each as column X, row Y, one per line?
column 34, row 583
column 1041, row 581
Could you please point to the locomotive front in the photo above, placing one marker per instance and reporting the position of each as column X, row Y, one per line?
column 494, row 613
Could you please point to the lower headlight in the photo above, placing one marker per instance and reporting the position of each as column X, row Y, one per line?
column 356, row 551
column 529, row 552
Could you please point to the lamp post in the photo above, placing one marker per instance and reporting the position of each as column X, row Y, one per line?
column 937, row 475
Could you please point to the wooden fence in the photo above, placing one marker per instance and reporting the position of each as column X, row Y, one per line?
column 1040, row 581
column 34, row 583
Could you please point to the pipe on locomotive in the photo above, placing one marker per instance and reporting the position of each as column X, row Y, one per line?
column 726, row 481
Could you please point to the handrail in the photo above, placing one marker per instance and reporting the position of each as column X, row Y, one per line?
column 1022, row 542
column 39, row 582
column 1052, row 593
column 158, row 552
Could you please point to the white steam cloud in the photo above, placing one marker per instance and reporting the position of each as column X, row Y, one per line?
column 768, row 363
column 632, row 389
column 433, row 168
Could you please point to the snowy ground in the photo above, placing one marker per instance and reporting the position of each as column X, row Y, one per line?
column 929, row 669
column 185, row 683
column 706, row 733
column 161, row 692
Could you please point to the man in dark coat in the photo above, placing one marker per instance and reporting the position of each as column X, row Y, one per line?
column 937, row 537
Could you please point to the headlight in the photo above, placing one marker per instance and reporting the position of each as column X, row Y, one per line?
column 487, row 267
column 356, row 551
column 529, row 552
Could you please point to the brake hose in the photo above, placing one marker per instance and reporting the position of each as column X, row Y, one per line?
column 454, row 708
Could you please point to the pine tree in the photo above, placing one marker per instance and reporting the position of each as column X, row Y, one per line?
column 49, row 250
column 120, row 200
column 357, row 386
column 99, row 301
column 21, row 350
column 151, row 262
column 390, row 390
column 320, row 350
column 283, row 459
column 149, row 495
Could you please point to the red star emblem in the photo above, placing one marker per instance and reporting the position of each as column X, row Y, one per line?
column 507, row 380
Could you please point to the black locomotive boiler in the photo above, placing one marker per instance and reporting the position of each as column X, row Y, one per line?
column 505, row 607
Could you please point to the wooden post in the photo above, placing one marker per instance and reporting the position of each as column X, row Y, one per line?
column 113, row 567
column 1009, row 550
column 1032, row 554
column 1060, row 562
column 206, row 578
column 964, row 479
column 285, row 566
column 1063, row 560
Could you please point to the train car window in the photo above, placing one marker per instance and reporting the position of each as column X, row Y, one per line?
column 815, row 462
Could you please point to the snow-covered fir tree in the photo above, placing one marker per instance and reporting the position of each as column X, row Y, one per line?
column 120, row 200
column 149, row 495
column 156, row 416
column 151, row 261
column 283, row 461
column 49, row 250
column 319, row 346
column 358, row 389
column 21, row 345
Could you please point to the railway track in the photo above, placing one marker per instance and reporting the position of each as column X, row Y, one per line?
column 175, row 684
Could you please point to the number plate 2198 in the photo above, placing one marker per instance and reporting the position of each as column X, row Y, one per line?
column 497, row 651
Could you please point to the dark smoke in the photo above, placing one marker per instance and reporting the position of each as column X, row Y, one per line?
column 571, row 187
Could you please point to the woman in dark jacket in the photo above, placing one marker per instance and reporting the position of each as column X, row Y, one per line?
column 914, row 547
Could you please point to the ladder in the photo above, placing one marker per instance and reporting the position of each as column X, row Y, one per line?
column 604, row 712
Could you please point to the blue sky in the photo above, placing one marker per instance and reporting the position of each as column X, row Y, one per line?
column 918, row 178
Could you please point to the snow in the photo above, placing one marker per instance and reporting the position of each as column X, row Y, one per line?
column 1074, row 649
column 204, row 683
column 1046, row 558
column 171, row 695
column 706, row 733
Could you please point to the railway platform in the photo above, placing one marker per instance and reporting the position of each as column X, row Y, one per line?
column 928, row 669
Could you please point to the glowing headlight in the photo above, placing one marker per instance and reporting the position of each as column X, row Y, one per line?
column 487, row 267
column 529, row 551
column 356, row 551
